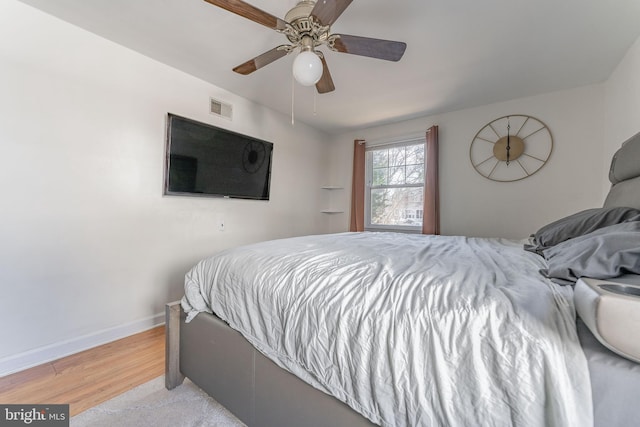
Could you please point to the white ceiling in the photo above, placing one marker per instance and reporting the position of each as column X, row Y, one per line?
column 460, row 53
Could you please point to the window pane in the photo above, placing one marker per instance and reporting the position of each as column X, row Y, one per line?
column 397, row 156
column 415, row 174
column 415, row 154
column 380, row 158
column 396, row 206
column 380, row 176
column 396, row 175
column 416, row 196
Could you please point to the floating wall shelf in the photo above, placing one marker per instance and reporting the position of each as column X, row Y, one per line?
column 331, row 211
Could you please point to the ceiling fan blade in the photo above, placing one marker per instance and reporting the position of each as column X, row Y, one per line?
column 327, row 11
column 325, row 84
column 373, row 48
column 250, row 12
column 261, row 60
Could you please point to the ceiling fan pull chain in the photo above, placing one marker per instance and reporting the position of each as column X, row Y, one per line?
column 314, row 103
column 293, row 89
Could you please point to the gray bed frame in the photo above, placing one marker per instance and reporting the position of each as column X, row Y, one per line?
column 225, row 365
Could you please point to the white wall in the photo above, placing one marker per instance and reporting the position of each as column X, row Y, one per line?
column 89, row 248
column 472, row 205
column 622, row 103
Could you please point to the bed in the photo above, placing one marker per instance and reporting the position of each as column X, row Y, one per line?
column 357, row 329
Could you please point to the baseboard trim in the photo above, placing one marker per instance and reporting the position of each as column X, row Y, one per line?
column 49, row 353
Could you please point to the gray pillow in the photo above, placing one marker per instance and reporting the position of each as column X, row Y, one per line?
column 602, row 254
column 579, row 224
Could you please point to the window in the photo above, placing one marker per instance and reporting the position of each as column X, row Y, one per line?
column 395, row 186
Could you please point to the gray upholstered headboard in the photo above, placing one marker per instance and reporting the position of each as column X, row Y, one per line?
column 624, row 175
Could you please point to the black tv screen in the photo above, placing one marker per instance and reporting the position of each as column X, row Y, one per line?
column 204, row 160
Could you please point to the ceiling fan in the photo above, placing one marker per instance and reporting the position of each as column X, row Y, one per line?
column 307, row 26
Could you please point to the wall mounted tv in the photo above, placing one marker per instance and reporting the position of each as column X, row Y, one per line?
column 204, row 160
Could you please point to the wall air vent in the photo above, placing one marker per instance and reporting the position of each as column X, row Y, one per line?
column 221, row 109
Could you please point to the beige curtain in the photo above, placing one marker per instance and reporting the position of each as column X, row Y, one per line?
column 357, row 187
column 431, row 215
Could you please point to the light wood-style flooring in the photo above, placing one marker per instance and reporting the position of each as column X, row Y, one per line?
column 86, row 379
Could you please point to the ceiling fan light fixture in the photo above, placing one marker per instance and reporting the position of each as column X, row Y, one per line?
column 307, row 68
column 307, row 26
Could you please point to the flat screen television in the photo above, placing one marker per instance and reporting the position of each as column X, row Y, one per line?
column 205, row 160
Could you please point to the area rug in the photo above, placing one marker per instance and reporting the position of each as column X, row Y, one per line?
column 151, row 404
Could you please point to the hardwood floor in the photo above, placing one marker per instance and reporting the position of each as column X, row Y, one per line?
column 91, row 377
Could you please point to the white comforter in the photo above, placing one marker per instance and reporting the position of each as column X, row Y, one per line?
column 409, row 330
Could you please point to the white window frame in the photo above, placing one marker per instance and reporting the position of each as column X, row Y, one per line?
column 370, row 147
